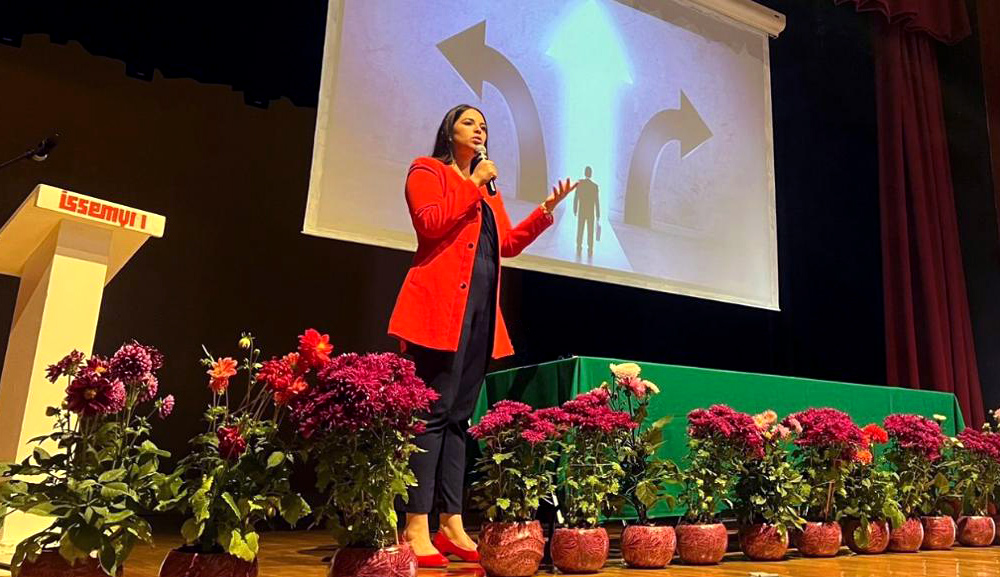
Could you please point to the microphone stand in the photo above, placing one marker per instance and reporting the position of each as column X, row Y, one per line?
column 17, row 159
column 40, row 152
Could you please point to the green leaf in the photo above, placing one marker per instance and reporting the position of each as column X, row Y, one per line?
column 232, row 504
column 501, row 457
column 118, row 517
column 85, row 538
column 238, row 546
column 504, row 504
column 251, row 539
column 191, row 530
column 275, row 459
column 293, row 508
column 109, row 558
column 646, row 493
column 150, row 448
column 69, row 551
column 114, row 490
column 111, row 476
column 41, row 455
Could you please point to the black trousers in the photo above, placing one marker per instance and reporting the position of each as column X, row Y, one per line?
column 457, row 377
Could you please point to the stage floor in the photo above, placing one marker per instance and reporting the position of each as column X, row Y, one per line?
column 301, row 554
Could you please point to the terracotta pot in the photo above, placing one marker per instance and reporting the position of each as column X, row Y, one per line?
column 939, row 532
column 703, row 544
column 878, row 537
column 579, row 550
column 763, row 542
column 819, row 539
column 50, row 563
column 511, row 549
column 907, row 537
column 648, row 546
column 395, row 561
column 181, row 563
column 976, row 531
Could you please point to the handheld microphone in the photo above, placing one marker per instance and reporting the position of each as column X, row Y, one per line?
column 41, row 152
column 491, row 186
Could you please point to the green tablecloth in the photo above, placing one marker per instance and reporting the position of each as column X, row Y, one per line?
column 685, row 388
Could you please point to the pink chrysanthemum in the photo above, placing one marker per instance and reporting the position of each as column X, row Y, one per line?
column 916, row 433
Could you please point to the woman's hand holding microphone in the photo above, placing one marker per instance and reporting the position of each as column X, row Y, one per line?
column 486, row 171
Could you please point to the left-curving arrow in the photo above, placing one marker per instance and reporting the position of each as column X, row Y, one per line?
column 477, row 63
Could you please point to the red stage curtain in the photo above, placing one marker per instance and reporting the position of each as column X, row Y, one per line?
column 929, row 342
column 944, row 20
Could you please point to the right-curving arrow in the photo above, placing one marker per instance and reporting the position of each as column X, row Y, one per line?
column 478, row 63
column 684, row 125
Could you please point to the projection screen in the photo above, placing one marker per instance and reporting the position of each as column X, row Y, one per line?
column 665, row 103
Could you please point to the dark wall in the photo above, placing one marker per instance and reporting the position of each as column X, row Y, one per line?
column 968, row 145
column 232, row 181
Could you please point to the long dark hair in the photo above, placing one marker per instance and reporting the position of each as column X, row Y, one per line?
column 443, row 146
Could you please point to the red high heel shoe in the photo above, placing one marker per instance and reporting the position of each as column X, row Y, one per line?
column 435, row 561
column 446, row 546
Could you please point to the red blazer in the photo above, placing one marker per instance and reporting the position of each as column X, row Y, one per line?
column 446, row 215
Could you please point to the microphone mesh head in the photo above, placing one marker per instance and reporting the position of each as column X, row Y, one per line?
column 481, row 150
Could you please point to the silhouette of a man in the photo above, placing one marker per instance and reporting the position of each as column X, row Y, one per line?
column 587, row 208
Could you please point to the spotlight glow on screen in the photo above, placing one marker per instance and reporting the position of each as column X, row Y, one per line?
column 660, row 108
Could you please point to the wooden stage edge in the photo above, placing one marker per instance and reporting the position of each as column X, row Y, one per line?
column 302, row 554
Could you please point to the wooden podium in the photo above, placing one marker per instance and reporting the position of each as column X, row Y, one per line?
column 65, row 247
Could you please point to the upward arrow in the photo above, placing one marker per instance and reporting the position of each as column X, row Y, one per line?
column 587, row 44
column 477, row 64
column 683, row 124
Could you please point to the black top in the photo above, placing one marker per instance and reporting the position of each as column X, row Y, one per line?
column 485, row 267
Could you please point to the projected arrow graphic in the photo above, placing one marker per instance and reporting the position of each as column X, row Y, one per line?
column 594, row 66
column 684, row 125
column 478, row 63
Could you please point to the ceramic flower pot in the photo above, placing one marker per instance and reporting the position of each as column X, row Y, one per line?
column 580, row 550
column 648, row 546
column 976, row 531
column 50, row 563
column 820, row 539
column 511, row 549
column 395, row 561
column 877, row 540
column 939, row 532
column 908, row 537
column 181, row 563
column 703, row 544
column 763, row 542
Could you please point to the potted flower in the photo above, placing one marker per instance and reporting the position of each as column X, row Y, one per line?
column 105, row 473
column 516, row 472
column 869, row 500
column 237, row 473
column 768, row 494
column 826, row 441
column 357, row 419
column 643, row 483
column 916, row 445
column 591, row 481
column 718, row 438
column 975, row 474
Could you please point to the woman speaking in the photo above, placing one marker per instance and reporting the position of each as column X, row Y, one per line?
column 447, row 313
